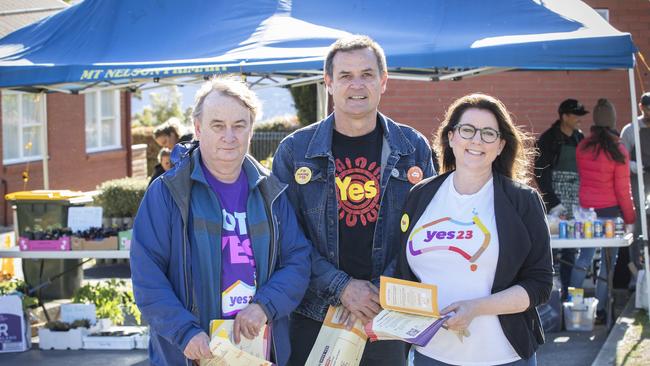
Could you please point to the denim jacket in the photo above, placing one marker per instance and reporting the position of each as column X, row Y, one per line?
column 316, row 204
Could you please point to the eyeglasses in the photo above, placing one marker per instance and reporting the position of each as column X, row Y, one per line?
column 488, row 134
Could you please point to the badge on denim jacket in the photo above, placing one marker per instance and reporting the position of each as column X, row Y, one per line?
column 404, row 223
column 303, row 175
column 414, row 174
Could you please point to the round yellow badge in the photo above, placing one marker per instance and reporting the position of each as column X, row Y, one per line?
column 303, row 175
column 404, row 223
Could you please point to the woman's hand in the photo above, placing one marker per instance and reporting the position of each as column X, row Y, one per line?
column 465, row 312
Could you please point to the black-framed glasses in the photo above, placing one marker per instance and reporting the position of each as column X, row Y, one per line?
column 488, row 134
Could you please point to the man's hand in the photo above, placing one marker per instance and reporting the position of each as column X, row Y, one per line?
column 249, row 322
column 361, row 298
column 198, row 347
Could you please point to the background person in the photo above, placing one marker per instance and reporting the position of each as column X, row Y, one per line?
column 170, row 133
column 627, row 139
column 479, row 234
column 556, row 172
column 164, row 164
column 604, row 169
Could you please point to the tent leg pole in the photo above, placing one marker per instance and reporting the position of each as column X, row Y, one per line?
column 46, row 170
column 640, row 180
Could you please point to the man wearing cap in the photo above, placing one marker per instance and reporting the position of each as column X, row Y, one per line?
column 556, row 171
column 348, row 177
column 627, row 139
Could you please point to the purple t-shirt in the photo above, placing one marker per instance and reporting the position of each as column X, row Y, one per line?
column 237, row 263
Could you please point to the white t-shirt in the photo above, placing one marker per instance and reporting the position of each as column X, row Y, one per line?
column 455, row 245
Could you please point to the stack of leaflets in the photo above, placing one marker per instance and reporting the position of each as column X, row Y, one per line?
column 410, row 312
column 335, row 345
column 249, row 352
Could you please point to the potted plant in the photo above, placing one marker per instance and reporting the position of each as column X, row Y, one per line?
column 112, row 300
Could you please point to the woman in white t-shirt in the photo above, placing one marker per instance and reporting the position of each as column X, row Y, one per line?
column 479, row 234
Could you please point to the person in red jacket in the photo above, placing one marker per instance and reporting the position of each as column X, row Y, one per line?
column 604, row 169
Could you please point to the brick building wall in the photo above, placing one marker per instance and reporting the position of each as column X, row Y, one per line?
column 70, row 167
column 532, row 97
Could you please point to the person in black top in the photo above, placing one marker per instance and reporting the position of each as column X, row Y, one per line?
column 164, row 164
column 556, row 172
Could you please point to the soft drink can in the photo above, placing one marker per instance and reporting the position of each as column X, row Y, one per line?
column 598, row 229
column 570, row 230
column 589, row 229
column 562, row 228
column 619, row 227
column 578, row 230
column 609, row 228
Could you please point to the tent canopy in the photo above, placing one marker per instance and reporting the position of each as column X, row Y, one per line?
column 120, row 43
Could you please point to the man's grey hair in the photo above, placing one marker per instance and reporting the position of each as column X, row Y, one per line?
column 353, row 43
column 231, row 87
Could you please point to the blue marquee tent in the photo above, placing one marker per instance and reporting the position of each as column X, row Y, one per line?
column 119, row 42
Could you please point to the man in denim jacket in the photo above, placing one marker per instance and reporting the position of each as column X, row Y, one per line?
column 348, row 177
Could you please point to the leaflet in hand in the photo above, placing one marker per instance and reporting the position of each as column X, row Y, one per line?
column 227, row 354
column 254, row 351
column 393, row 325
column 335, row 345
column 408, row 297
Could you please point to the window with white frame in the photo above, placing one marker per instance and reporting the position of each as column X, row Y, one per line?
column 23, row 118
column 102, row 120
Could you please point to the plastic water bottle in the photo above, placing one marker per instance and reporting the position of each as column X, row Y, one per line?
column 619, row 227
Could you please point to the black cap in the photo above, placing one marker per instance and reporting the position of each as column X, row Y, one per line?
column 645, row 99
column 572, row 106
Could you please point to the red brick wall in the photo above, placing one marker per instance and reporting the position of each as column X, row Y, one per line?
column 532, row 97
column 70, row 167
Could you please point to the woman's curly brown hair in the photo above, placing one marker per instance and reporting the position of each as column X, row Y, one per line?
column 515, row 160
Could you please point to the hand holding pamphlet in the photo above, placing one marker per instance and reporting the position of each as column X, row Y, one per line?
column 410, row 313
column 253, row 352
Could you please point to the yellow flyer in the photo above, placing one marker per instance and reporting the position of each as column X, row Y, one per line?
column 408, row 297
column 248, row 352
column 335, row 345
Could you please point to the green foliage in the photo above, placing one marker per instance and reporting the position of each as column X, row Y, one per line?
column 20, row 288
column 121, row 197
column 163, row 107
column 304, row 98
column 61, row 326
column 109, row 298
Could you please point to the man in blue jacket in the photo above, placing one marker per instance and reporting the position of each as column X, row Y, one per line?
column 216, row 238
column 348, row 177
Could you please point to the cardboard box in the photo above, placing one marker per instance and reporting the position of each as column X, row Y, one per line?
column 124, row 238
column 109, row 243
column 71, row 339
column 43, row 245
column 94, row 341
column 14, row 333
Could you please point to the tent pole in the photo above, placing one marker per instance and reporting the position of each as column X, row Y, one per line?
column 639, row 164
column 321, row 101
column 46, row 170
